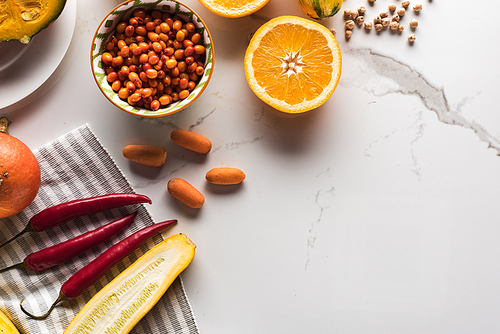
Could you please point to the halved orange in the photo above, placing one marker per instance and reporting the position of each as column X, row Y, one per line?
column 233, row 8
column 293, row 64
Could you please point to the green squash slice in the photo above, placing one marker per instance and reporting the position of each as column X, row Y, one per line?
column 22, row 19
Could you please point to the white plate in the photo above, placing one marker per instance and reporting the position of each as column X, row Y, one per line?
column 24, row 68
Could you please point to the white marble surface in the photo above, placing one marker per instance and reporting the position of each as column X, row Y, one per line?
column 375, row 213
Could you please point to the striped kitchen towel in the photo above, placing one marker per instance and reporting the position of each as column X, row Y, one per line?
column 77, row 166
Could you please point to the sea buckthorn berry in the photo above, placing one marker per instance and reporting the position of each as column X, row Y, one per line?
column 190, row 27
column 121, row 76
column 125, row 51
column 146, row 92
column 110, row 46
column 120, row 27
column 179, row 54
column 182, row 66
column 177, row 25
column 129, row 31
column 153, row 37
column 165, row 100
column 151, row 73
column 143, row 58
column 183, row 83
column 116, row 85
column 150, row 26
column 117, row 61
column 193, row 76
column 196, row 38
column 125, row 70
column 130, row 87
column 141, row 31
column 180, row 36
column 199, row 70
column 107, row 58
column 155, row 105
column 183, row 94
column 199, row 49
column 123, row 93
column 135, row 97
column 171, row 63
column 167, row 80
column 133, row 21
column 175, row 81
column 153, row 60
column 164, row 27
column 163, row 38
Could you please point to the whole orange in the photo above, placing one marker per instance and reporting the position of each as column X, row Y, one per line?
column 19, row 173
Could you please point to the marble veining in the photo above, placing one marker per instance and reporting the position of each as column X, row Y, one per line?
column 401, row 78
column 323, row 200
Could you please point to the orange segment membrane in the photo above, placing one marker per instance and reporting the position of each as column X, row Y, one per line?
column 309, row 80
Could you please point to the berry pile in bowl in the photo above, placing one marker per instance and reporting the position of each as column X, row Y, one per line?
column 152, row 59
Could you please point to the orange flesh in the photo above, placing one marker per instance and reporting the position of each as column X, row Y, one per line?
column 314, row 74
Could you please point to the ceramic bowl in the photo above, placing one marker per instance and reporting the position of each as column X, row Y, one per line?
column 107, row 30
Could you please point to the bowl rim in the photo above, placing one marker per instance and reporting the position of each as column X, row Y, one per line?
column 160, row 114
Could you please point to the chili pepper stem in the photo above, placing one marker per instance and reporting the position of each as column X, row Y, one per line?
column 26, row 229
column 18, row 265
column 43, row 316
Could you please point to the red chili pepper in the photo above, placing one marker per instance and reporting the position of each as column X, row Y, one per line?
column 60, row 253
column 64, row 212
column 92, row 272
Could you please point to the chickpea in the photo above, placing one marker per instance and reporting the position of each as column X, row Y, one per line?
column 411, row 38
column 349, row 25
column 413, row 23
column 417, row 7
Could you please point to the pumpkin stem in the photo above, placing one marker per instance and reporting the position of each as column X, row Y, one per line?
column 4, row 125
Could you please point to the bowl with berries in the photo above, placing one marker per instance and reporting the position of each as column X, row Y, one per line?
column 152, row 58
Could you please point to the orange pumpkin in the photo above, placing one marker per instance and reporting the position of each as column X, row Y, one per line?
column 19, row 173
